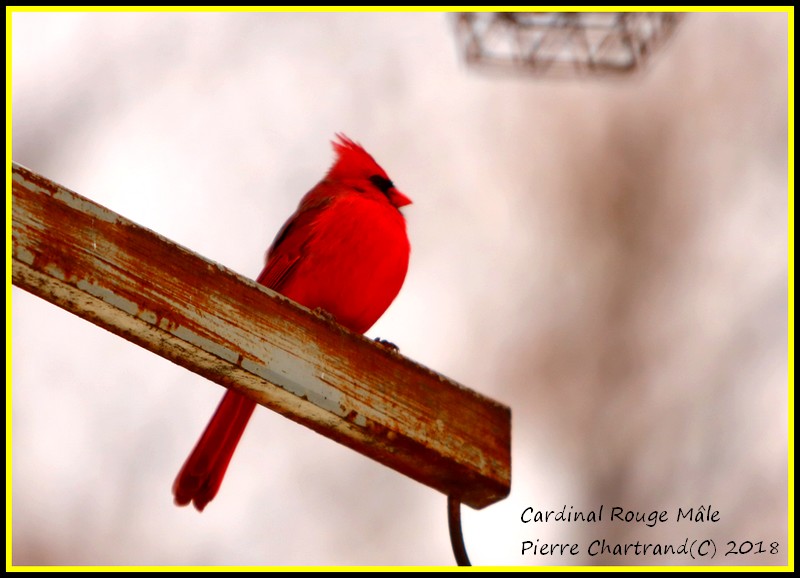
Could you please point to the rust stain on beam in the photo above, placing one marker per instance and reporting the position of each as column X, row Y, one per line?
column 203, row 316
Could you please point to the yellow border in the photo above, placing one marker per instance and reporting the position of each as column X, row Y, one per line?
column 790, row 205
column 8, row 290
column 789, row 10
column 397, row 8
column 404, row 568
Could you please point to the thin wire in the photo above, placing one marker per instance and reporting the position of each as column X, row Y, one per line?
column 456, row 537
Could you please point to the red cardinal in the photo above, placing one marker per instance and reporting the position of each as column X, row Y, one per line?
column 345, row 250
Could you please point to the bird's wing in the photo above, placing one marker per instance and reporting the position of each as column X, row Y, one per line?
column 290, row 245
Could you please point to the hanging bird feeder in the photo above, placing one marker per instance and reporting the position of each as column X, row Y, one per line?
column 563, row 44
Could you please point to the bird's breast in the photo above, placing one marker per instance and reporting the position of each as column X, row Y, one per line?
column 354, row 262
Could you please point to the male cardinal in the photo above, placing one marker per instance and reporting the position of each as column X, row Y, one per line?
column 345, row 250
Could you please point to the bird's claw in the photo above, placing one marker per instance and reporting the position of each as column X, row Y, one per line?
column 387, row 344
column 320, row 312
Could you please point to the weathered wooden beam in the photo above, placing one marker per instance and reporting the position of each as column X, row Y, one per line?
column 198, row 314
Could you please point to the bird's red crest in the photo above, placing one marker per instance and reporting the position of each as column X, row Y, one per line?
column 353, row 161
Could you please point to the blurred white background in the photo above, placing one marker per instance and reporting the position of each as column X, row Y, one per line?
column 608, row 258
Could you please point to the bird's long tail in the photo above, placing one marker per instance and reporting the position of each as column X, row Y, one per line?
column 201, row 475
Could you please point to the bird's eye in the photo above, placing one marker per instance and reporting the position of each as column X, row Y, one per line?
column 382, row 183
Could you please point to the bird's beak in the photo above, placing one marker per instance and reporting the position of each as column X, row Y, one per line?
column 398, row 199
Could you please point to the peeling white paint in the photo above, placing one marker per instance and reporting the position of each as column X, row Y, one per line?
column 54, row 271
column 22, row 254
column 85, row 206
column 302, row 383
column 121, row 303
column 205, row 344
column 148, row 316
